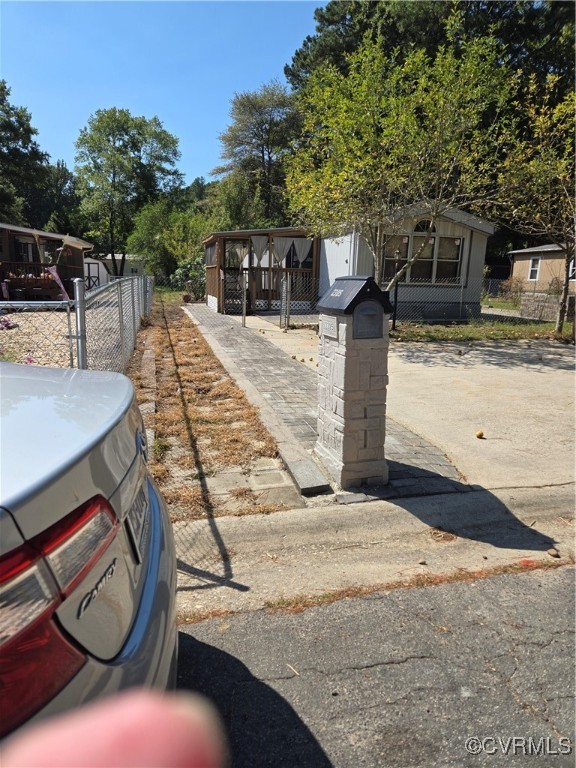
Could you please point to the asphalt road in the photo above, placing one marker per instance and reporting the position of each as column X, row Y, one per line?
column 402, row 678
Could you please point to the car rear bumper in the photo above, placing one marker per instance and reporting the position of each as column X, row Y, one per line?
column 149, row 655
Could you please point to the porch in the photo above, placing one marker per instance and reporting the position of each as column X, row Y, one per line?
column 39, row 266
column 36, row 282
column 264, row 263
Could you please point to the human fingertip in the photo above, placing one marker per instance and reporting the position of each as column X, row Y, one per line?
column 139, row 727
column 202, row 716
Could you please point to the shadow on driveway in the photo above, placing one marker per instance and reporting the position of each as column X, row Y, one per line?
column 263, row 729
column 473, row 513
column 504, row 354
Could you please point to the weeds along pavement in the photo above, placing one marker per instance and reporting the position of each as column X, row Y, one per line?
column 210, row 454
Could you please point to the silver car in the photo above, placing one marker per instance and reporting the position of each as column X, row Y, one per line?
column 87, row 560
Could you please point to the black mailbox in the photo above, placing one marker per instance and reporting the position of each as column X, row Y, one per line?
column 362, row 298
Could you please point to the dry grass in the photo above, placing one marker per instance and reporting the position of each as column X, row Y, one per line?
column 203, row 422
column 303, row 602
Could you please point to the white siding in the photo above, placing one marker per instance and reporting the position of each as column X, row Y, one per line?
column 96, row 268
column 364, row 259
column 350, row 255
column 337, row 259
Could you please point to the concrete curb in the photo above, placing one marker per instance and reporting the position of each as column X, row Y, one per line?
column 264, row 560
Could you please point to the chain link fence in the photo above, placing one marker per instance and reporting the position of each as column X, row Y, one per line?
column 38, row 333
column 515, row 296
column 419, row 301
column 97, row 330
column 474, row 300
column 298, row 299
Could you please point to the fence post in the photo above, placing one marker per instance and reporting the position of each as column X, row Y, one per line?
column 80, row 314
column 150, row 283
column 244, row 289
column 283, row 296
column 134, row 326
column 71, row 332
column 142, row 287
column 121, row 323
column 288, row 300
column 396, row 268
column 146, row 292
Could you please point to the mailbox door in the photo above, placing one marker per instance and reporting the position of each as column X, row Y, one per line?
column 368, row 320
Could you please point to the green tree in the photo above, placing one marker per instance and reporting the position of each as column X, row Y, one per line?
column 23, row 166
column 169, row 238
column 122, row 163
column 147, row 238
column 264, row 123
column 388, row 139
column 342, row 26
column 538, row 34
column 61, row 201
column 234, row 204
column 536, row 185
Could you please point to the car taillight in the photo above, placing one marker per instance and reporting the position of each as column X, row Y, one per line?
column 36, row 659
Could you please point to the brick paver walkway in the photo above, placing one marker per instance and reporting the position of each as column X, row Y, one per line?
column 417, row 467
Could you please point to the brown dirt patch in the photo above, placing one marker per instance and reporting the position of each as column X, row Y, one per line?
column 203, row 423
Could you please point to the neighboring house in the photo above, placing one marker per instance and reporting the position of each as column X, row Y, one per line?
column 39, row 266
column 542, row 269
column 444, row 283
column 96, row 274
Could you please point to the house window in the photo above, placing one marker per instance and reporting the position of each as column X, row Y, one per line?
column 534, row 269
column 438, row 261
column 395, row 244
column 424, row 225
column 235, row 253
column 572, row 271
column 423, row 267
column 23, row 251
column 210, row 254
column 448, row 259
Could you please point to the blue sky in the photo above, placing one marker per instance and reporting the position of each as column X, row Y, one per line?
column 180, row 61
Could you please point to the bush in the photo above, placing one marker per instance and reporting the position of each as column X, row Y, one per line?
column 512, row 290
column 554, row 287
column 190, row 277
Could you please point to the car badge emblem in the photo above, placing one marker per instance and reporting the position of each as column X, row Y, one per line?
column 91, row 596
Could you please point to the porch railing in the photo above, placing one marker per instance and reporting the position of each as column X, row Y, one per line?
column 32, row 281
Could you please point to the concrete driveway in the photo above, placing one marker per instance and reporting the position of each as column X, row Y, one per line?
column 519, row 394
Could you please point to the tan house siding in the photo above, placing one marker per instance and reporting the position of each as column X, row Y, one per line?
column 541, row 271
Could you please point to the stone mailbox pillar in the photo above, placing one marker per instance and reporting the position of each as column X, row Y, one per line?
column 353, row 374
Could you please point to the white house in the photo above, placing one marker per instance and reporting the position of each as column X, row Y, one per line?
column 446, row 280
column 96, row 274
column 444, row 283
